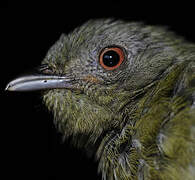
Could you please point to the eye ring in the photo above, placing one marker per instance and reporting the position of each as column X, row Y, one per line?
column 111, row 57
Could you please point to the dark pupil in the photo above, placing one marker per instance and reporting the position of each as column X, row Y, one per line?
column 111, row 58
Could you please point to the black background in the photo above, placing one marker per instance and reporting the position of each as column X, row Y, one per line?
column 30, row 144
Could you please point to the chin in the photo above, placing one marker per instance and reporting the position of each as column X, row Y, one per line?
column 77, row 117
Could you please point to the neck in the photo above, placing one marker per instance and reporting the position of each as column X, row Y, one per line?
column 133, row 145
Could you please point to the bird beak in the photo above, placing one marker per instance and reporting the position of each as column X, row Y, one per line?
column 39, row 82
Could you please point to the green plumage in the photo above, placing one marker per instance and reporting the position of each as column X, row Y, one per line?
column 138, row 119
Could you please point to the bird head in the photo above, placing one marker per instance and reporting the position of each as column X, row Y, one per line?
column 91, row 75
column 124, row 91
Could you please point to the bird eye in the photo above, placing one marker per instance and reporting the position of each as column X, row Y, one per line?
column 111, row 58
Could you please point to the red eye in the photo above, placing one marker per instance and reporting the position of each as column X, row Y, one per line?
column 111, row 58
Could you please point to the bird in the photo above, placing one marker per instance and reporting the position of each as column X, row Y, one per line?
column 125, row 92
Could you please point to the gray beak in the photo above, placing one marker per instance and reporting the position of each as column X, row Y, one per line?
column 38, row 82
